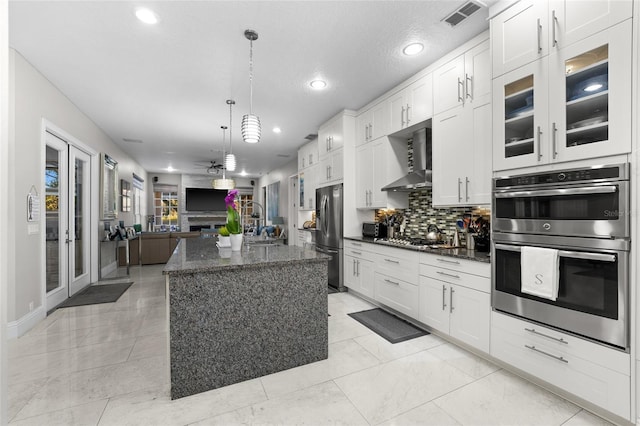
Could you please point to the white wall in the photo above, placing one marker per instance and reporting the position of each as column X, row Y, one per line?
column 281, row 175
column 4, row 175
column 34, row 99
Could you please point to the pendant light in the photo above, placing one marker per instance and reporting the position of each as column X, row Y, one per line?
column 223, row 183
column 251, row 122
column 230, row 159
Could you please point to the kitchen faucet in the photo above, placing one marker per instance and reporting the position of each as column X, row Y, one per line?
column 243, row 208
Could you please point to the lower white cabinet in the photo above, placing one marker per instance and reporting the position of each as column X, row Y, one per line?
column 593, row 372
column 358, row 268
column 397, row 294
column 455, row 302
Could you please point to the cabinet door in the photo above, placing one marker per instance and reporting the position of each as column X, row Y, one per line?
column 322, row 172
column 573, row 20
column 350, row 272
column 450, row 157
column 397, row 111
column 420, row 100
column 470, row 319
column 364, row 175
column 330, row 136
column 590, row 111
column 364, row 128
column 434, row 304
column 519, row 35
column 477, row 75
column 381, row 160
column 379, row 120
column 520, row 117
column 302, row 158
column 336, row 173
column 448, row 89
column 309, row 188
column 365, row 277
column 478, row 185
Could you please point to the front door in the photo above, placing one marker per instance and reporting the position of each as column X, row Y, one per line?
column 67, row 236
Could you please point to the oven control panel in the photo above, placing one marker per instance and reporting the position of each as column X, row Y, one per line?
column 575, row 175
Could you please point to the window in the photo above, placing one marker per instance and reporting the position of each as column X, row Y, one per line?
column 165, row 207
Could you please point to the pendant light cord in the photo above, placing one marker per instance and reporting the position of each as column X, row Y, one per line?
column 224, row 144
column 251, row 76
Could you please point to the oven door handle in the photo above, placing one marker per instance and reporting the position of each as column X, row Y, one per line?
column 565, row 253
column 608, row 189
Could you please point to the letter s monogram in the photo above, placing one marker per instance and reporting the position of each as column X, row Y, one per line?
column 539, row 278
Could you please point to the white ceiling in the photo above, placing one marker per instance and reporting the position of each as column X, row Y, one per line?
column 167, row 84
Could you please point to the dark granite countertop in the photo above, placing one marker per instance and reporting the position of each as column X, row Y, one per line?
column 202, row 254
column 460, row 253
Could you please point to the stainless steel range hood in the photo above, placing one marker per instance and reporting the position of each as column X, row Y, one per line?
column 421, row 175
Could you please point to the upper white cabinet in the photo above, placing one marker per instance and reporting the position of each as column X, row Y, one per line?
column 573, row 104
column 464, row 80
column 308, row 155
column 307, row 184
column 330, row 169
column 331, row 139
column 331, row 136
column 532, row 29
column 462, row 130
column 410, row 105
column 372, row 124
column 378, row 163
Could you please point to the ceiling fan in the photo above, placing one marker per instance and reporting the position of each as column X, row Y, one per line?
column 213, row 167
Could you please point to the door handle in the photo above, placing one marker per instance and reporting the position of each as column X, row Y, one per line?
column 460, row 95
column 459, row 193
column 554, row 131
column 391, row 282
column 538, row 135
column 554, row 20
column 444, row 295
column 402, row 123
column 559, row 358
column 466, row 188
column 468, row 91
column 408, row 119
column 451, row 300
column 539, row 37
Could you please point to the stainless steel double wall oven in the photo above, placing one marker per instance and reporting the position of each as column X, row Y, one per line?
column 585, row 215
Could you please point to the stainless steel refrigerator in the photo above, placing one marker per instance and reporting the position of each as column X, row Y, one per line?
column 329, row 230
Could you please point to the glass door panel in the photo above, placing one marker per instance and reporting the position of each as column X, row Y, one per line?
column 518, row 117
column 78, row 239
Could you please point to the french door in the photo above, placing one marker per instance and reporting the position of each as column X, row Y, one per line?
column 67, row 210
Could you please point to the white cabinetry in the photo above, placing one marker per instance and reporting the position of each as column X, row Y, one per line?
column 307, row 184
column 331, row 139
column 462, row 130
column 331, row 169
column 372, row 124
column 308, row 155
column 396, row 278
column 588, row 370
column 378, row 163
column 331, row 135
column 573, row 104
column 532, row 29
column 411, row 105
column 455, row 298
column 359, row 267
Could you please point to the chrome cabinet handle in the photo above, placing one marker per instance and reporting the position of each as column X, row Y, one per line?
column 468, row 91
column 408, row 119
column 356, row 252
column 539, row 37
column 554, row 131
column 554, row 20
column 533, row 330
column 451, row 300
column 358, row 267
column 538, row 135
column 392, row 261
column 370, row 131
column 460, row 94
column 459, row 193
column 448, row 275
column 391, row 282
column 444, row 293
column 466, row 187
column 402, row 123
column 355, row 274
column 455, row 262
column 559, row 358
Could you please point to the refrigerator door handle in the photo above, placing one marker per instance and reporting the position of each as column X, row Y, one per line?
column 327, row 251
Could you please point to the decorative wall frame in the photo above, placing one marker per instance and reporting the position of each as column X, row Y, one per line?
column 109, row 187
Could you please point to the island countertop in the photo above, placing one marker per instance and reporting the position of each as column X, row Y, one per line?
column 202, row 254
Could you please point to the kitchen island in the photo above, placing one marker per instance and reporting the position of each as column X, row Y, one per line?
column 235, row 316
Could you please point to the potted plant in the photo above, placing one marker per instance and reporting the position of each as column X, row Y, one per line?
column 223, row 237
column 233, row 219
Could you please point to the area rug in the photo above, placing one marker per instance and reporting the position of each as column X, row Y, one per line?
column 389, row 326
column 97, row 293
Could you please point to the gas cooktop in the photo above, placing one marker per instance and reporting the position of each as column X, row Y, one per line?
column 418, row 243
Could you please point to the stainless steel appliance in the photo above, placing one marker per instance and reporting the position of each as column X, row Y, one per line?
column 329, row 227
column 374, row 230
column 584, row 214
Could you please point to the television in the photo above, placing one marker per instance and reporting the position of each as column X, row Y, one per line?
column 205, row 199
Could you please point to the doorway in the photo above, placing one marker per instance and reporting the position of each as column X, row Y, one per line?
column 67, row 213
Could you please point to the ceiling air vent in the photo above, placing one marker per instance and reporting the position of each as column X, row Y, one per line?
column 462, row 13
column 283, row 155
column 132, row 140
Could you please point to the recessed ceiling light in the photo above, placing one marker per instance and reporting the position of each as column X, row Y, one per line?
column 318, row 84
column 243, row 173
column 170, row 169
column 147, row 16
column 413, row 49
column 277, row 130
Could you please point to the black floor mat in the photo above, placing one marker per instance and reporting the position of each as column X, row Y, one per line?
column 331, row 290
column 389, row 326
column 95, row 294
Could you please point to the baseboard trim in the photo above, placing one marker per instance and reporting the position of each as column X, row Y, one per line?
column 17, row 328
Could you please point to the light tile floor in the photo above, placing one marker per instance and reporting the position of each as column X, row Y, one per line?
column 107, row 365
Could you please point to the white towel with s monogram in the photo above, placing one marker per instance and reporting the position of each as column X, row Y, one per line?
column 539, row 272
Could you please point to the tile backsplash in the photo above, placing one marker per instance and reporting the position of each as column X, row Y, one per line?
column 421, row 212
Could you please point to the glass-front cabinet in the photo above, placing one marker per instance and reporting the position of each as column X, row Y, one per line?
column 571, row 105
